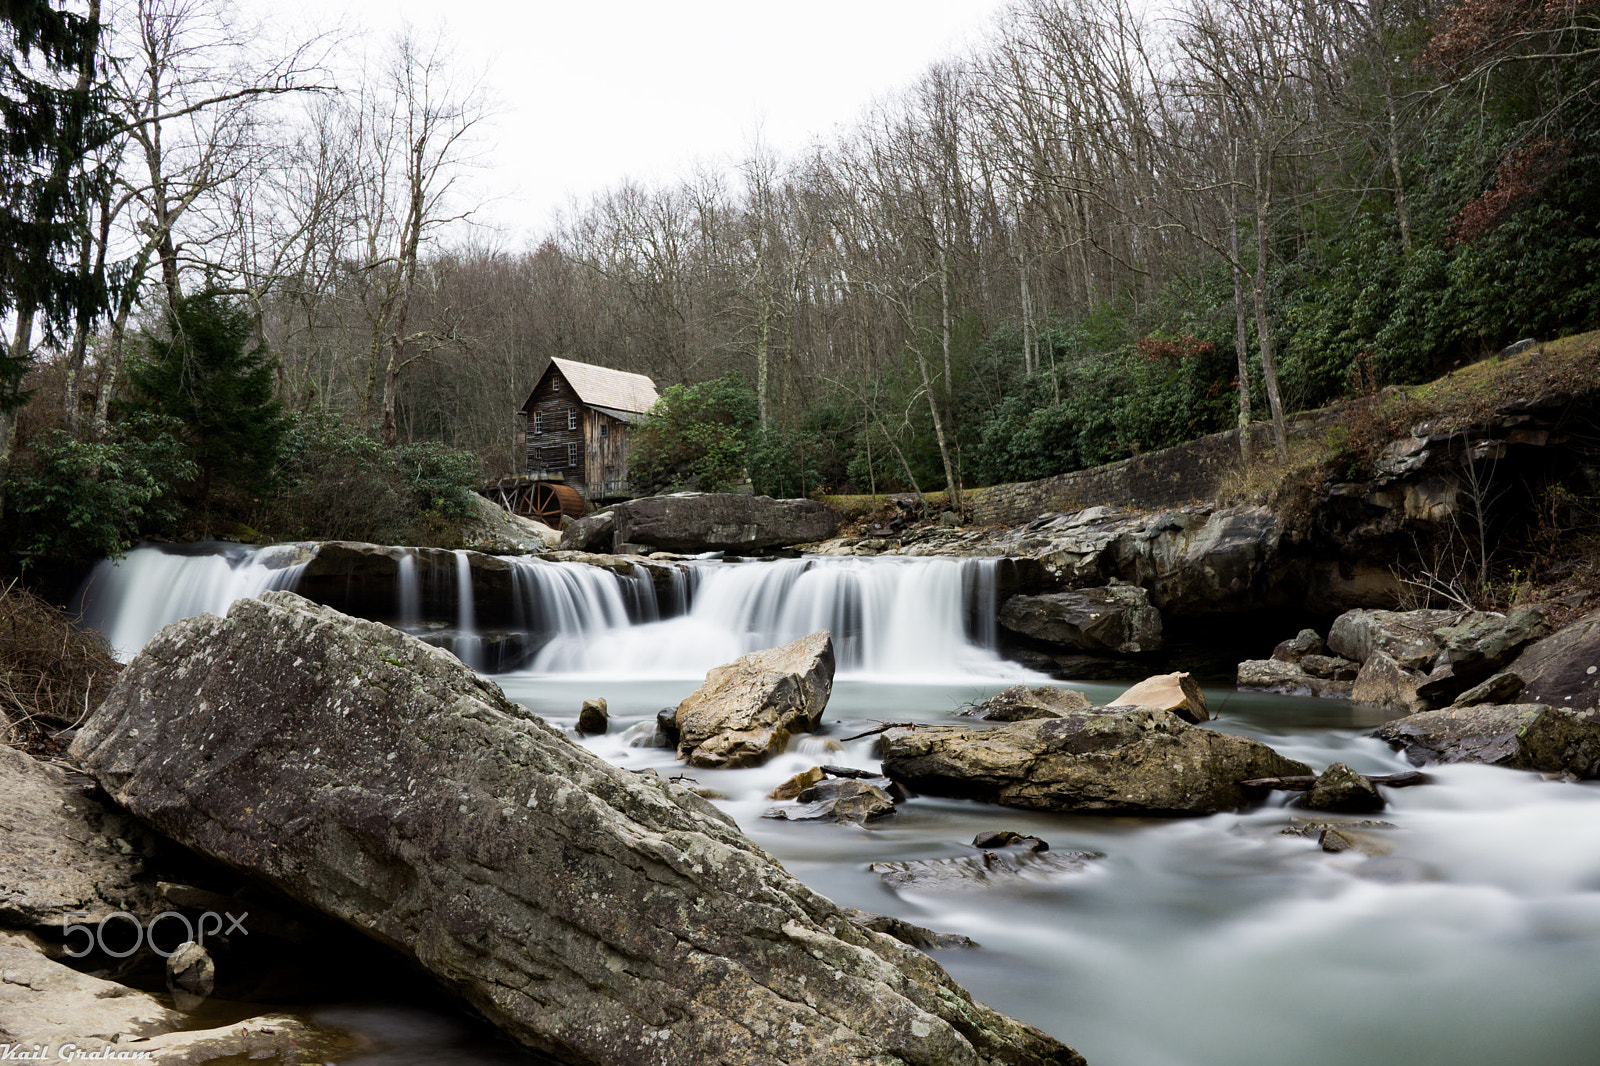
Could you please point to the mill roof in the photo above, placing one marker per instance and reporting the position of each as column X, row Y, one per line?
column 603, row 387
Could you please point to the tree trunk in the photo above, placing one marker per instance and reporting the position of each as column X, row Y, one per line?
column 1241, row 341
column 1269, row 369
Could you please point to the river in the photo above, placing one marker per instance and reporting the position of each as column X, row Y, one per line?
column 1218, row 941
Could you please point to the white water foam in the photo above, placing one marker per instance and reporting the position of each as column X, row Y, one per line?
column 131, row 599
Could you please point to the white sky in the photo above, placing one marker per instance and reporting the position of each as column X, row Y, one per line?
column 593, row 91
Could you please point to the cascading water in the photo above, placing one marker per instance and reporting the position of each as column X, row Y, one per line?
column 1219, row 941
column 902, row 618
column 130, row 599
column 466, row 644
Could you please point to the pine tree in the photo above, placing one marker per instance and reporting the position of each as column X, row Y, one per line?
column 205, row 373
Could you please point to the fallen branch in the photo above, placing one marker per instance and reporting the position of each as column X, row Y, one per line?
column 882, row 729
column 1303, row 782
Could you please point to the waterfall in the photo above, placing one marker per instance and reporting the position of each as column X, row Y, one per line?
column 131, row 599
column 911, row 619
column 409, row 608
column 467, row 645
column 903, row 618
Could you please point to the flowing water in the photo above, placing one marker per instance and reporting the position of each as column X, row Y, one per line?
column 1218, row 941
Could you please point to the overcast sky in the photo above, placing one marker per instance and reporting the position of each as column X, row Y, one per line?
column 593, row 91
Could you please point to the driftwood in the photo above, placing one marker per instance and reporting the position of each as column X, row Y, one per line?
column 1303, row 782
column 883, row 729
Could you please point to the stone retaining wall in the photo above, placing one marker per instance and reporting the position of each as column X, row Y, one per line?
column 1167, row 478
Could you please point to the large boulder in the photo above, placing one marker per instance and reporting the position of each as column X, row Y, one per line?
column 1483, row 643
column 1117, row 619
column 1407, row 637
column 722, row 521
column 591, row 534
column 1563, row 669
column 747, row 709
column 1291, row 679
column 488, row 527
column 64, row 852
column 1384, row 682
column 1130, row 760
column 595, row 914
column 1522, row 736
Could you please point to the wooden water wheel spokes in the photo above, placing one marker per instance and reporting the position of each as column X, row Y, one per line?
column 551, row 501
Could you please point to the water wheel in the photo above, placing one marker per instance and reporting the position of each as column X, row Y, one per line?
column 551, row 500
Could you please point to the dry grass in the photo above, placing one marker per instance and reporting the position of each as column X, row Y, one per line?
column 1263, row 476
column 51, row 674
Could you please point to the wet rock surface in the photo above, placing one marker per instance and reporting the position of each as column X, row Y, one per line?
column 851, row 801
column 1521, row 736
column 971, row 873
column 1341, row 789
column 1019, row 703
column 1116, row 619
column 595, row 914
column 1563, row 669
column 1123, row 760
column 747, row 709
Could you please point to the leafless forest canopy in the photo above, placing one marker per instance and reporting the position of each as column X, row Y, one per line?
column 1101, row 196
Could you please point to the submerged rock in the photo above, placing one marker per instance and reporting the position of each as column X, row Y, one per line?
column 1116, row 619
column 1521, row 736
column 906, row 932
column 1133, row 760
column 1019, row 703
column 592, row 717
column 1341, row 789
column 594, row 914
column 747, row 709
column 967, row 873
column 851, row 801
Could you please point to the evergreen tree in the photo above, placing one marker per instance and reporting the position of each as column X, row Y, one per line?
column 207, row 375
column 49, row 119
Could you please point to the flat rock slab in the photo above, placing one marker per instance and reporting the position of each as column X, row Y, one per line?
column 63, row 852
column 1176, row 692
column 722, row 521
column 1131, row 760
column 598, row 915
column 747, row 709
column 1521, row 736
column 43, row 1002
column 987, row 869
column 1019, row 703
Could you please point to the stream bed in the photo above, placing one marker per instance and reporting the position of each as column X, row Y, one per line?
column 1217, row 941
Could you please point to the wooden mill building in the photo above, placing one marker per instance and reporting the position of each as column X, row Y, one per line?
column 576, row 421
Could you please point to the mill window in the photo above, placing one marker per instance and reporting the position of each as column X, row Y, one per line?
column 572, row 455
column 572, row 418
column 538, row 423
column 605, row 430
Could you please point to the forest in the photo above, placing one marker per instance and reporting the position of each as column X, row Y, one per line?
column 242, row 298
